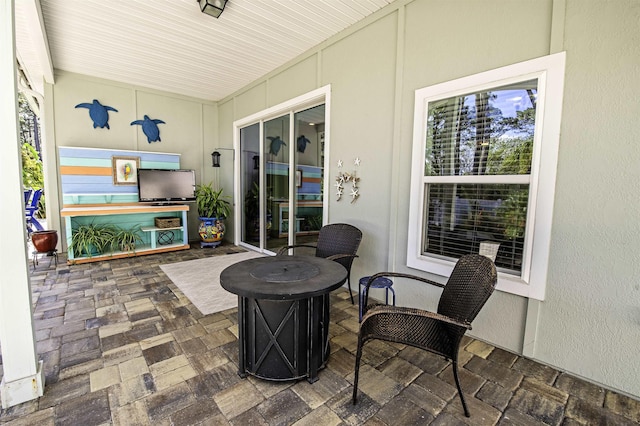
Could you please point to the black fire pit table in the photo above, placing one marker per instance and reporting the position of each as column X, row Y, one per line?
column 283, row 314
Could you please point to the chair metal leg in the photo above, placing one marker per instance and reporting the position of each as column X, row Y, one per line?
column 457, row 379
column 357, row 370
column 349, row 284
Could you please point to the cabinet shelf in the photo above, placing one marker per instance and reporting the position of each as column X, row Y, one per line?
column 138, row 213
column 283, row 218
column 139, row 251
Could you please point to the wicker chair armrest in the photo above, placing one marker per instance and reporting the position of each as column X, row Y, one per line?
column 390, row 309
column 401, row 275
column 396, row 275
column 283, row 250
column 341, row 256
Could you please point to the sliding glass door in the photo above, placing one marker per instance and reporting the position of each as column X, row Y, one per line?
column 249, row 205
column 309, row 175
column 281, row 179
column 276, row 150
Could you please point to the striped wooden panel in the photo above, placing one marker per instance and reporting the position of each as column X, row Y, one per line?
column 86, row 174
column 86, row 171
column 311, row 176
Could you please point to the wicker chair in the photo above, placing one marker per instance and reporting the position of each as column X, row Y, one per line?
column 471, row 283
column 337, row 241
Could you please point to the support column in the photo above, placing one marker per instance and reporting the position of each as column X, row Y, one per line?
column 23, row 378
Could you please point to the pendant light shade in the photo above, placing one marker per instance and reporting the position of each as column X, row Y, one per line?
column 212, row 7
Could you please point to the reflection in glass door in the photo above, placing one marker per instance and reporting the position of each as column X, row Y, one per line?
column 282, row 173
column 250, row 181
column 309, row 175
column 277, row 146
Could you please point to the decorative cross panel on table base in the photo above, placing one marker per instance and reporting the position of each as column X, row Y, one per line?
column 284, row 339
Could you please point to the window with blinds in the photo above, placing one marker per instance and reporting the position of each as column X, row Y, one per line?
column 477, row 171
column 483, row 174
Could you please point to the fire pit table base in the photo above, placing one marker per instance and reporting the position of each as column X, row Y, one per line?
column 283, row 339
column 283, row 314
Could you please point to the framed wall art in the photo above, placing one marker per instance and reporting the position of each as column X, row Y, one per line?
column 125, row 170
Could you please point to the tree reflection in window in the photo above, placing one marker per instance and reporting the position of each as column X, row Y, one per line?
column 485, row 138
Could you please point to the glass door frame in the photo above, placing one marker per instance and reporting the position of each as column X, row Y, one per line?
column 308, row 100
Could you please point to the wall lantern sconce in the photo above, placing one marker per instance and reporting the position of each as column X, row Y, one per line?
column 215, row 156
column 215, row 159
column 256, row 162
column 212, row 7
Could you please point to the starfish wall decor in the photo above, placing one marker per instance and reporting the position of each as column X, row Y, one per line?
column 344, row 178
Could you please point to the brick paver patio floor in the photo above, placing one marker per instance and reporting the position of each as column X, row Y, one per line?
column 122, row 345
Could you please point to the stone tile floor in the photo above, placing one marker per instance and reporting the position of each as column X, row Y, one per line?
column 122, row 345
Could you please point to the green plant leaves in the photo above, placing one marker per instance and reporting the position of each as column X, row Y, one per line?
column 92, row 239
column 212, row 203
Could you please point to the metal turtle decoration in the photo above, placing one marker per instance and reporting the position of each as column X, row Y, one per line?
column 99, row 113
column 150, row 128
column 302, row 142
column 276, row 144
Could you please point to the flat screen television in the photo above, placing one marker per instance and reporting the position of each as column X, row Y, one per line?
column 160, row 186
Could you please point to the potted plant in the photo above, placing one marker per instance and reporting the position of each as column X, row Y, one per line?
column 45, row 241
column 90, row 239
column 126, row 239
column 213, row 208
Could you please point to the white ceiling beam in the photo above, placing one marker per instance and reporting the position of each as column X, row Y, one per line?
column 33, row 15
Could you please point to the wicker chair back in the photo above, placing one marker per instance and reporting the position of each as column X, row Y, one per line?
column 471, row 283
column 339, row 238
column 338, row 242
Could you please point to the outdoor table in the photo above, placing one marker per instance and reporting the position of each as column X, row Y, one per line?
column 283, row 314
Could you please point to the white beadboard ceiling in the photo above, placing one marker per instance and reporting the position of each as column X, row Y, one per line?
column 170, row 45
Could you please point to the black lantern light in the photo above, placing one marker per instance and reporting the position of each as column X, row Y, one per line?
column 256, row 162
column 215, row 159
column 212, row 7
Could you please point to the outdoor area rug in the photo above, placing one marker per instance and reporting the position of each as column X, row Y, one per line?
column 199, row 280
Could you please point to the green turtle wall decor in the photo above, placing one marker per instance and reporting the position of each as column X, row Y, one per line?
column 150, row 128
column 99, row 113
column 276, row 143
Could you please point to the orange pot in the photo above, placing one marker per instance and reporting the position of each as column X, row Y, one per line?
column 45, row 241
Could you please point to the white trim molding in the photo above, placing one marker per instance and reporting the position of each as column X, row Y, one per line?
column 549, row 72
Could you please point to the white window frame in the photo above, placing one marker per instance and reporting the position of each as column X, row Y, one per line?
column 549, row 70
column 310, row 99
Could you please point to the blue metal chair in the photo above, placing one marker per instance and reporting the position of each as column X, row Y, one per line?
column 27, row 196
column 30, row 211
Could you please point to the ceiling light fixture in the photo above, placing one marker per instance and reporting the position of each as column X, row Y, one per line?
column 212, row 7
